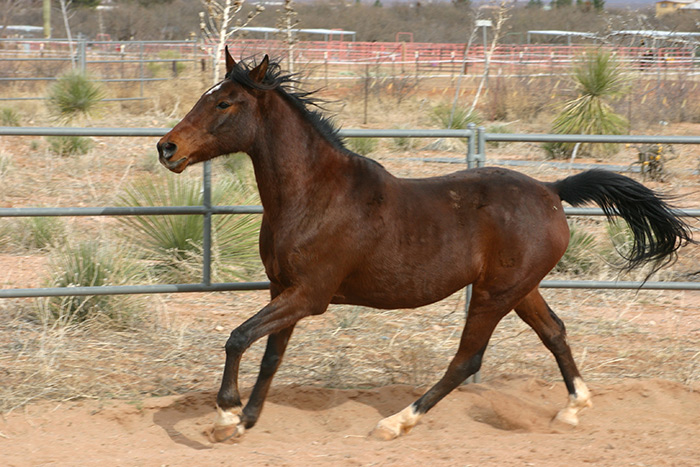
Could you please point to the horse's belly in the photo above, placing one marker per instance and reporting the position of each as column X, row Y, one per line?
column 391, row 292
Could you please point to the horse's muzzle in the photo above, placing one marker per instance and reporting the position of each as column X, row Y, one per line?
column 166, row 151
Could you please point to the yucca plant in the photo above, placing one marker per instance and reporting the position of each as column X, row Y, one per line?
column 622, row 240
column 9, row 117
column 444, row 116
column 69, row 145
column 598, row 80
column 174, row 243
column 90, row 264
column 40, row 232
column 73, row 95
column 362, row 146
column 578, row 257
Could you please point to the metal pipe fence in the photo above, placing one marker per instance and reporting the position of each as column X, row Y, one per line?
column 475, row 157
column 343, row 60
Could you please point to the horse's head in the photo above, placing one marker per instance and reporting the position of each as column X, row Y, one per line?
column 221, row 122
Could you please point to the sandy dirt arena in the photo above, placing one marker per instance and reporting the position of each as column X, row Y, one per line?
column 505, row 421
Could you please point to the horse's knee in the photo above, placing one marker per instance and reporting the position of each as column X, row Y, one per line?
column 236, row 343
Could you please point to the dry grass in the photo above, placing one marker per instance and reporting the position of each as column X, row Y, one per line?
column 613, row 335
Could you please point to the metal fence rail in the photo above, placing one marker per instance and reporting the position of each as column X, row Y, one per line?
column 476, row 148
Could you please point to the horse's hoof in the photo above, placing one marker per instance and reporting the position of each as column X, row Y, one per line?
column 225, row 433
column 382, row 433
column 566, row 416
column 227, row 426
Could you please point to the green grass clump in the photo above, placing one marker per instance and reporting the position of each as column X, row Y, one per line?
column 91, row 264
column 73, row 95
column 444, row 116
column 158, row 68
column 498, row 128
column 9, row 117
column 622, row 240
column 69, row 145
column 362, row 146
column 174, row 243
column 579, row 256
column 40, row 232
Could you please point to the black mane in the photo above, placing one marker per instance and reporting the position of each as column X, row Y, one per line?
column 286, row 84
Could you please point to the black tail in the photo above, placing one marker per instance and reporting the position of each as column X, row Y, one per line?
column 658, row 232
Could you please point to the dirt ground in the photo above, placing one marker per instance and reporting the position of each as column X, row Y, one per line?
column 503, row 422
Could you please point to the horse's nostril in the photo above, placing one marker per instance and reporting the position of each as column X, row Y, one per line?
column 167, row 150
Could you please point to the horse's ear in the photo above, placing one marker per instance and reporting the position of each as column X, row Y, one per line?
column 230, row 62
column 257, row 74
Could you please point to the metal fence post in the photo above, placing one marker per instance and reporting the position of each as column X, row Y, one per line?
column 471, row 146
column 206, row 233
column 480, row 155
column 141, row 69
column 82, row 58
column 472, row 162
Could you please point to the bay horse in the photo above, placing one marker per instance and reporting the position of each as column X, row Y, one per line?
column 339, row 228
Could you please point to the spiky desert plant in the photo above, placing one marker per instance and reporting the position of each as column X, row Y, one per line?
column 598, row 80
column 69, row 145
column 174, row 243
column 458, row 119
column 40, row 232
column 73, row 95
column 362, row 146
column 578, row 257
column 9, row 117
column 92, row 264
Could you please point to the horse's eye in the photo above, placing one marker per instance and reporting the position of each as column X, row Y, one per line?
column 223, row 105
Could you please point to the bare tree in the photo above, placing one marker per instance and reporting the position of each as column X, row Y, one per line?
column 216, row 26
column 286, row 24
column 501, row 17
column 65, row 5
column 7, row 9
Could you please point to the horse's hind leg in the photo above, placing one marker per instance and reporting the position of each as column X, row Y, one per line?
column 536, row 313
column 481, row 321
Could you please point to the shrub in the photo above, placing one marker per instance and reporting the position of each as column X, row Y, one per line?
column 174, row 243
column 502, row 129
column 69, row 145
column 362, row 146
column 578, row 257
column 622, row 240
column 236, row 164
column 404, row 143
column 41, row 232
column 74, row 94
column 9, row 117
column 155, row 68
column 91, row 265
column 445, row 117
column 598, row 79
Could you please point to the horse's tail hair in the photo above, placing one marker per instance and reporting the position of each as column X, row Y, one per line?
column 658, row 232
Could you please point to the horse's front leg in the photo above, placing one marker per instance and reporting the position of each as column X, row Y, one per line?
column 277, row 318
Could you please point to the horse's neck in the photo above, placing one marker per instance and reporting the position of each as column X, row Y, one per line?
column 293, row 164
